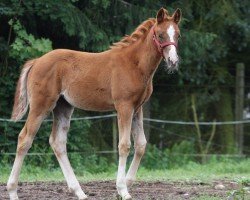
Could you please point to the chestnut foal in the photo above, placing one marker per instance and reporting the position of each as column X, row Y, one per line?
column 117, row 79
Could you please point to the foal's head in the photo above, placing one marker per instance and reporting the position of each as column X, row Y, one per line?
column 166, row 35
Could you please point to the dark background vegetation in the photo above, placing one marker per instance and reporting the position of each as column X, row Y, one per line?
column 215, row 37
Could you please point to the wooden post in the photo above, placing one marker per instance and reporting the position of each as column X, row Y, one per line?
column 115, row 133
column 239, row 106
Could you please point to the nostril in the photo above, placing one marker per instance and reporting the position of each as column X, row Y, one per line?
column 170, row 61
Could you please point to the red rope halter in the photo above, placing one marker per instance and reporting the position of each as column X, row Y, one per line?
column 160, row 46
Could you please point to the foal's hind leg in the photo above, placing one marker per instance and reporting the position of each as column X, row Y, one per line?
column 58, row 138
column 25, row 140
column 139, row 145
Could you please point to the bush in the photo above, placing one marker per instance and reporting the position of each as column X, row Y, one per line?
column 169, row 158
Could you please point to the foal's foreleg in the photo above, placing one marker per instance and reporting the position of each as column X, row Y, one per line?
column 125, row 113
column 139, row 145
column 58, row 140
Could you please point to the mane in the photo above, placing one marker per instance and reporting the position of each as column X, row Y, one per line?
column 139, row 33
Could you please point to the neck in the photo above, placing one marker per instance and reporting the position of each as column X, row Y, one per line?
column 148, row 56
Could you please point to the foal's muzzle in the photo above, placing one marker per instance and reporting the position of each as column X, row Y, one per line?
column 171, row 66
column 171, row 58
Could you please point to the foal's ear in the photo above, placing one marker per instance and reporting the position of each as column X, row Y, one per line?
column 177, row 16
column 161, row 14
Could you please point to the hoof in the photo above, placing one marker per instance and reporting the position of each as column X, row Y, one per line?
column 16, row 198
column 126, row 197
column 83, row 197
column 129, row 182
column 13, row 195
column 79, row 193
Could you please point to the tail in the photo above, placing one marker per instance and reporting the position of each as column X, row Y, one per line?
column 21, row 101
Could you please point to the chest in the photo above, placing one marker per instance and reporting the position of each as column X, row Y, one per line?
column 144, row 97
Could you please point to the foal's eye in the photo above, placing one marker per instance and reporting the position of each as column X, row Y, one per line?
column 161, row 36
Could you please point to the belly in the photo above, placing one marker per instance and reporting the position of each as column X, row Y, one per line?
column 92, row 100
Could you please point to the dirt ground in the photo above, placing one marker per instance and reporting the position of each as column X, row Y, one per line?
column 105, row 190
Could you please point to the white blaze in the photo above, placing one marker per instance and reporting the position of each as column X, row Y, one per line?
column 172, row 52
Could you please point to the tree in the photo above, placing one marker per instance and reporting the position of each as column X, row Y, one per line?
column 217, row 33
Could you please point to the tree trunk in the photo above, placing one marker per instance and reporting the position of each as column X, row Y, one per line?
column 239, row 106
column 225, row 113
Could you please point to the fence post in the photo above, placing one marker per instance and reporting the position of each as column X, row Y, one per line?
column 239, row 106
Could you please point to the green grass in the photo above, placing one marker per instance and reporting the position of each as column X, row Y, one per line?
column 31, row 173
column 228, row 170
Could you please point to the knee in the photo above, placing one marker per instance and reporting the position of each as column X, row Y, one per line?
column 140, row 149
column 59, row 147
column 124, row 148
column 51, row 141
column 24, row 144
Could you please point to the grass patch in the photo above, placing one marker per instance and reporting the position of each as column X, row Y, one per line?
column 227, row 169
column 35, row 173
column 231, row 170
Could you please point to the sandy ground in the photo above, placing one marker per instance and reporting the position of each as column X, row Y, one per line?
column 104, row 190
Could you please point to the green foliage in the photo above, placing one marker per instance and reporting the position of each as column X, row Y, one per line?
column 102, row 3
column 91, row 163
column 182, row 153
column 203, row 43
column 229, row 165
column 155, row 158
column 215, row 35
column 176, row 156
column 26, row 46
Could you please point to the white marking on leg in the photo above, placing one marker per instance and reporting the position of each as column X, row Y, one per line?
column 121, row 174
column 13, row 179
column 124, row 124
column 121, row 178
column 172, row 53
column 59, row 146
column 140, row 145
column 25, row 140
